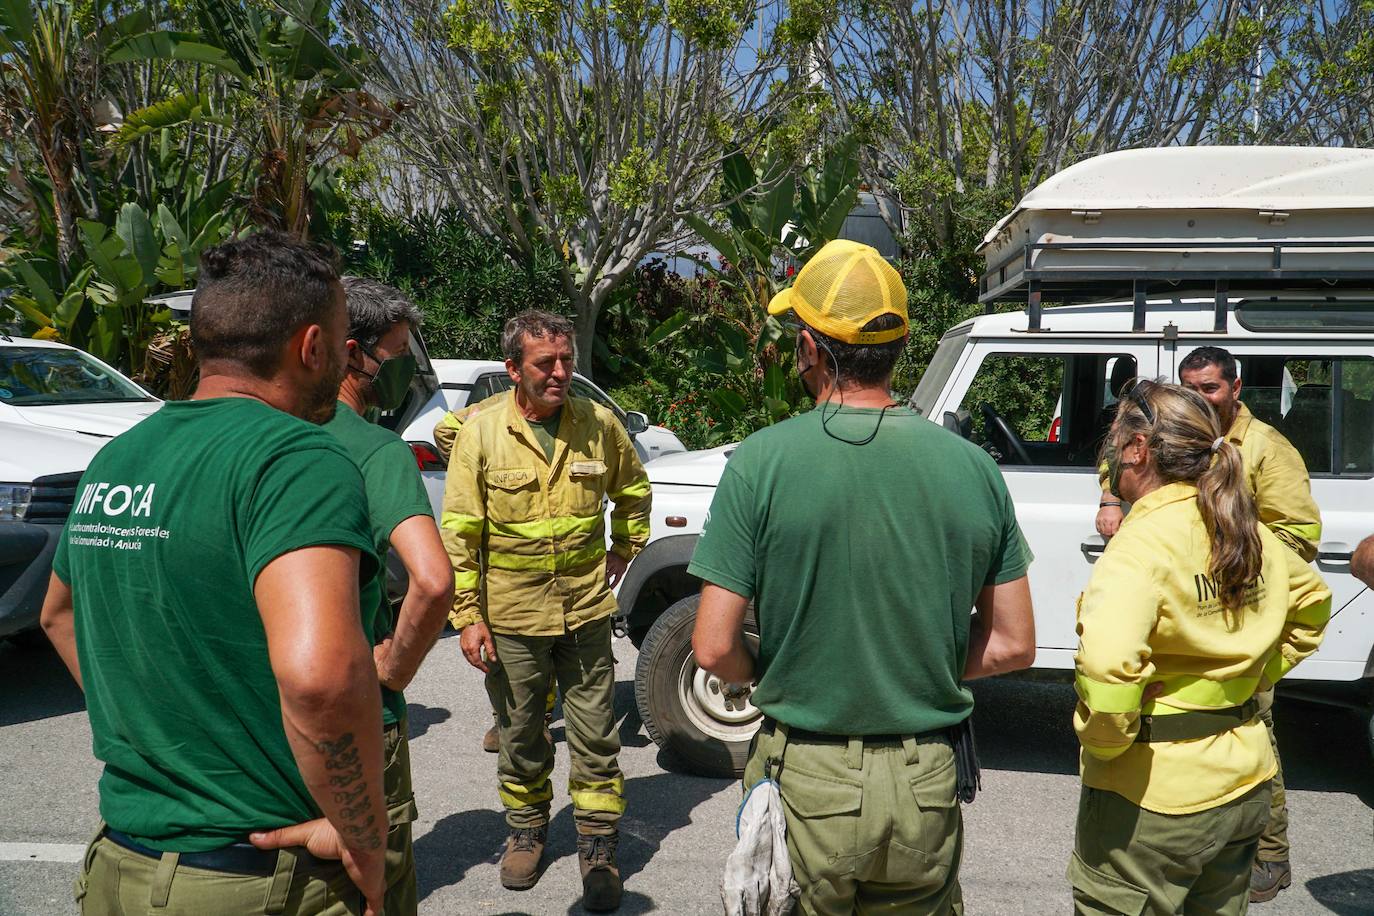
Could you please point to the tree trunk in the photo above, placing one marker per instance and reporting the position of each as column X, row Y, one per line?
column 586, row 309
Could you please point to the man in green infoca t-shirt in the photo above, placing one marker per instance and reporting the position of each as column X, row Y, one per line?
column 380, row 367
column 205, row 595
column 864, row 535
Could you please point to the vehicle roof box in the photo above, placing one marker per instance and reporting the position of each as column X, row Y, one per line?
column 1258, row 216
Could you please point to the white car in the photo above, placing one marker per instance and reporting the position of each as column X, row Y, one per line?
column 58, row 407
column 442, row 385
column 1263, row 251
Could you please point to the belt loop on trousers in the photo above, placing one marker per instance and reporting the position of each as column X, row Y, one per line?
column 913, row 753
column 280, row 887
column 161, row 889
column 854, row 753
column 775, row 745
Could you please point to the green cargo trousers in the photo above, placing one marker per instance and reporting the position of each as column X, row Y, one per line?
column 1273, row 844
column 871, row 827
column 402, row 898
column 1134, row 862
column 582, row 663
column 115, row 881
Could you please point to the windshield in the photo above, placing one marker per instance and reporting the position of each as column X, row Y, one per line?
column 938, row 372
column 44, row 376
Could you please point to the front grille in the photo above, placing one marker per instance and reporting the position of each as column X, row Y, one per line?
column 52, row 499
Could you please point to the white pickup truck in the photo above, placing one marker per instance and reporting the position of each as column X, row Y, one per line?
column 1267, row 252
column 58, row 407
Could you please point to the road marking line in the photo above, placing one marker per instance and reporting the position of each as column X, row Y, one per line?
column 41, row 852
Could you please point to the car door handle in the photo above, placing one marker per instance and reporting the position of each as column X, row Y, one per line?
column 1335, row 554
column 1092, row 548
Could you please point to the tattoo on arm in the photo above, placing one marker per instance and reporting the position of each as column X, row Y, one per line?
column 350, row 791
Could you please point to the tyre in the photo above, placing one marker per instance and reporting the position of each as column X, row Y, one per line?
column 683, row 707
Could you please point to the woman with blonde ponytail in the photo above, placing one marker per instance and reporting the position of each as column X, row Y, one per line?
column 1192, row 608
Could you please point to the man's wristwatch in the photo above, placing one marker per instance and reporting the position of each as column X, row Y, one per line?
column 1109, row 502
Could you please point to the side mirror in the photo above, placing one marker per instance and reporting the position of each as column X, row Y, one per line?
column 636, row 422
column 960, row 423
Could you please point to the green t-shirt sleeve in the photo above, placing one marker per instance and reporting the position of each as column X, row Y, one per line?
column 1013, row 556
column 59, row 557
column 306, row 497
column 725, row 553
column 395, row 491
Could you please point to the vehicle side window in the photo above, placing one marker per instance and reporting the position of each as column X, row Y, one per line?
column 1056, row 406
column 489, row 384
column 1323, row 405
column 585, row 390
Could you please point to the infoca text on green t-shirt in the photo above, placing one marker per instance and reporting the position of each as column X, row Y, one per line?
column 172, row 523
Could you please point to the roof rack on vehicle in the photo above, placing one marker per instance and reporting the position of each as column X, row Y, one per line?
column 1064, row 271
column 1167, row 220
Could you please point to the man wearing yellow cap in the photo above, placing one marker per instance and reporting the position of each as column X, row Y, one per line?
column 864, row 535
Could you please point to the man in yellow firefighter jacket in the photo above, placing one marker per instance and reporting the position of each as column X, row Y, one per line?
column 524, row 524
column 445, row 433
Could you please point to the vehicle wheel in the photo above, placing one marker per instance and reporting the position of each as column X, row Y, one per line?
column 683, row 707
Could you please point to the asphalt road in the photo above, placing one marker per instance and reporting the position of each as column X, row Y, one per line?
column 679, row 828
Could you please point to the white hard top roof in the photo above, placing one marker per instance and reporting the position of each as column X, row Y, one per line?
column 1209, row 177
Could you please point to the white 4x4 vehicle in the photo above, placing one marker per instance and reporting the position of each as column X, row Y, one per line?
column 1266, row 252
column 58, row 407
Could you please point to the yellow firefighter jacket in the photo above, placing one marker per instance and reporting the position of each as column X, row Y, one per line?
column 1151, row 615
column 526, row 535
column 1278, row 480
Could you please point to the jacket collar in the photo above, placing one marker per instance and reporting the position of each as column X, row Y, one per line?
column 576, row 411
column 1240, row 425
column 1169, row 493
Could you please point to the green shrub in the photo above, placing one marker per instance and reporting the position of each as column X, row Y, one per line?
column 464, row 282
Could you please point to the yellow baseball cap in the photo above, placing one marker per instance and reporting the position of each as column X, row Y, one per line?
column 843, row 287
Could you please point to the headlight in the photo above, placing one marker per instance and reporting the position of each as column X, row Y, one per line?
column 14, row 500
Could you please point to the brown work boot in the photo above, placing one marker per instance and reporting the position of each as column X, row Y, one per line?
column 1267, row 879
column 520, row 862
column 601, row 887
column 491, row 741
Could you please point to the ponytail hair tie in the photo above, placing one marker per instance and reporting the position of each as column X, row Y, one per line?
column 1216, row 445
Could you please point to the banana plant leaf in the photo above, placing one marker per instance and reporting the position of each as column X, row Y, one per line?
column 183, row 46
column 134, row 228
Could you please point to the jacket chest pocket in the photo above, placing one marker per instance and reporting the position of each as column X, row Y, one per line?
column 513, row 494
column 586, row 484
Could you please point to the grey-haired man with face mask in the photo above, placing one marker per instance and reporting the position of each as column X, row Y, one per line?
column 380, row 368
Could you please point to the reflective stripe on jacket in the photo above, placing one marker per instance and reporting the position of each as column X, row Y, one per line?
column 1151, row 615
column 526, row 535
column 1278, row 480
